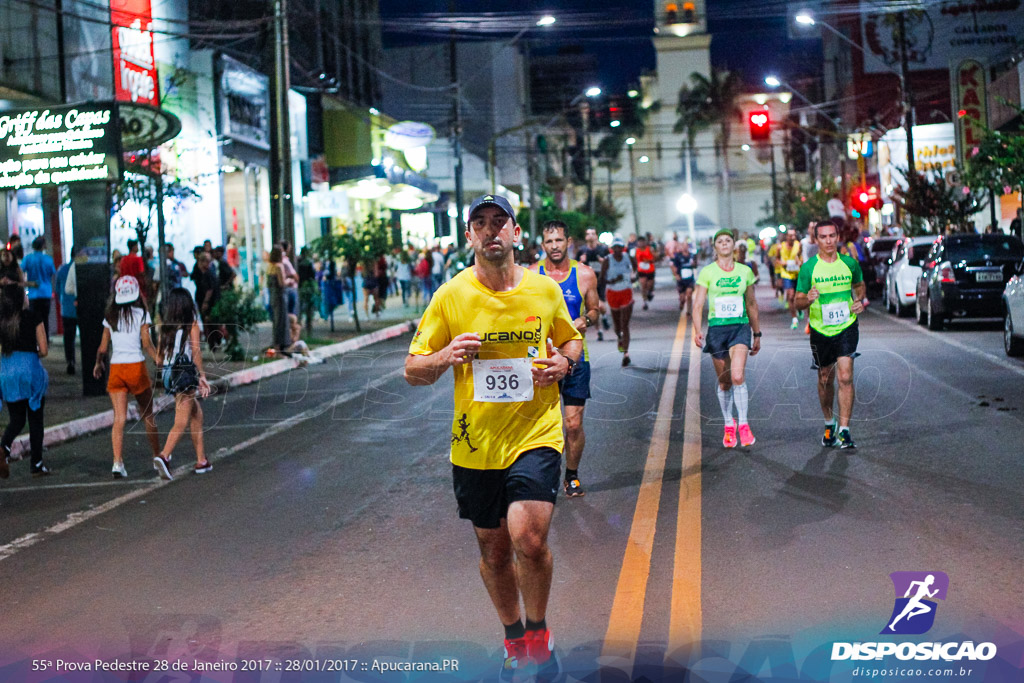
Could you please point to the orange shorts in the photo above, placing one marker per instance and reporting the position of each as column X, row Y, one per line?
column 619, row 298
column 130, row 377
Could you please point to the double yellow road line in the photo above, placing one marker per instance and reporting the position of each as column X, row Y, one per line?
column 626, row 619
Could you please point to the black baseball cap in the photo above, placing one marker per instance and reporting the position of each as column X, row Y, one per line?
column 492, row 200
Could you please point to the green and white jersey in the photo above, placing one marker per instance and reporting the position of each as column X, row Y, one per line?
column 726, row 292
column 832, row 312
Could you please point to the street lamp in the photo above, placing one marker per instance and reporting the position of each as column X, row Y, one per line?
column 804, row 18
column 775, row 81
column 546, row 20
column 591, row 92
column 687, row 206
column 615, row 124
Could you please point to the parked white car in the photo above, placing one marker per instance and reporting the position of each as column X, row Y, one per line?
column 1013, row 314
column 904, row 271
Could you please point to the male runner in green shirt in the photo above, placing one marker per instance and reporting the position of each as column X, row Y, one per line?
column 832, row 286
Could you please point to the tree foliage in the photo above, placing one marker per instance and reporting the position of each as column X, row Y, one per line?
column 798, row 206
column 241, row 310
column 998, row 162
column 931, row 197
column 138, row 190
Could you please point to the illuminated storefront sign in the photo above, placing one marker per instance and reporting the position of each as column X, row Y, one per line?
column 135, row 77
column 243, row 103
column 59, row 145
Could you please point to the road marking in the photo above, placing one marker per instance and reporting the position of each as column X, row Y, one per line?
column 75, row 518
column 79, row 485
column 623, row 634
column 1003, row 363
column 685, row 623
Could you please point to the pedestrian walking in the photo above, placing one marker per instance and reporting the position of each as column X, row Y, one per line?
column 183, row 376
column 68, row 310
column 278, row 306
column 291, row 280
column 422, row 271
column 23, row 380
column 10, row 271
column 497, row 325
column 40, row 272
column 126, row 336
column 733, row 322
column 403, row 272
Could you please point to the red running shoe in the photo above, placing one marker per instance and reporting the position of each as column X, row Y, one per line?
column 515, row 657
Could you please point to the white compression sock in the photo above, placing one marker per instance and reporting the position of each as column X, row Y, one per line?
column 725, row 401
column 741, row 397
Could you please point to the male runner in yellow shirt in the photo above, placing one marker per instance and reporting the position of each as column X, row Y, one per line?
column 497, row 325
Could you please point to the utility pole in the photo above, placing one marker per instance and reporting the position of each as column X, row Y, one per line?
column 775, row 184
column 282, row 213
column 908, row 98
column 453, row 74
column 689, row 189
column 585, row 119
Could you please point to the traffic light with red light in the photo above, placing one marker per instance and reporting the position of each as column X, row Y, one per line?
column 864, row 198
column 760, row 125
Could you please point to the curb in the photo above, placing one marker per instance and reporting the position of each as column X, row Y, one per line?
column 65, row 431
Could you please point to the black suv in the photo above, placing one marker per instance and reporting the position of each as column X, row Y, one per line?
column 963, row 276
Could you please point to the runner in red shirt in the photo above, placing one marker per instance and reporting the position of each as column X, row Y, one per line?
column 645, row 259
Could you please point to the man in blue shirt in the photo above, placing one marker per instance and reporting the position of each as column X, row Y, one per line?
column 68, row 312
column 39, row 271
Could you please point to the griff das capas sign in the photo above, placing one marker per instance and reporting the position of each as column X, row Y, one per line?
column 59, row 145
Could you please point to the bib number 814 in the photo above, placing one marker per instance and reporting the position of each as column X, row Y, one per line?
column 501, row 382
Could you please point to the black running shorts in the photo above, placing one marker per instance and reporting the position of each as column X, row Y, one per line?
column 483, row 496
column 827, row 350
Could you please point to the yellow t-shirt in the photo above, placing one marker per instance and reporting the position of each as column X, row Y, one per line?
column 789, row 255
column 489, row 435
column 773, row 254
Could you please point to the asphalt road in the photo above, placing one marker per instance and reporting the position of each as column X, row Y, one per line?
column 326, row 535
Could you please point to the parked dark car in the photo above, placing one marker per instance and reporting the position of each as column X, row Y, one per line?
column 877, row 264
column 964, row 275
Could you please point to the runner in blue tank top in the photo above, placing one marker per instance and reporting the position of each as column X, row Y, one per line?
column 579, row 288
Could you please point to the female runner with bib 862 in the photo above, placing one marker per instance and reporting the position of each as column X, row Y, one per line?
column 732, row 323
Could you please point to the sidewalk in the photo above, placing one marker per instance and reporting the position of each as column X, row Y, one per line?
column 70, row 414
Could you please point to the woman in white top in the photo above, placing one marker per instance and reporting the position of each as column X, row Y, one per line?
column 180, row 335
column 126, row 333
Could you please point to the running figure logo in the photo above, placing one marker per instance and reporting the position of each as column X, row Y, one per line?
column 914, row 613
column 464, row 436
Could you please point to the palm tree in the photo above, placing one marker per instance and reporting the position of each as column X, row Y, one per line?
column 712, row 102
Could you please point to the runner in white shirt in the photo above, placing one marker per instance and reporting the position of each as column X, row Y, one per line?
column 617, row 270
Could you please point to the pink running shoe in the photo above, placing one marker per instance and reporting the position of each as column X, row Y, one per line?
column 729, row 440
column 746, row 436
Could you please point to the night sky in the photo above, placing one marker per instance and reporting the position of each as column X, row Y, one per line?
column 749, row 37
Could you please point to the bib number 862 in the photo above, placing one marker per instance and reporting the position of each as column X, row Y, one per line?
column 501, row 382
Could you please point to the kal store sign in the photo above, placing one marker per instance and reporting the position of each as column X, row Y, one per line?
column 972, row 110
column 59, row 145
column 135, row 76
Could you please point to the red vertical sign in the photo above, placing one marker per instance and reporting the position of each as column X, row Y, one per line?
column 135, row 77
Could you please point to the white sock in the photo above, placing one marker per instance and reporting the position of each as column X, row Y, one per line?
column 844, row 428
column 742, row 399
column 725, row 401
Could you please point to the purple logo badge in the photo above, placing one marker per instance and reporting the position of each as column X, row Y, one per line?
column 914, row 610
